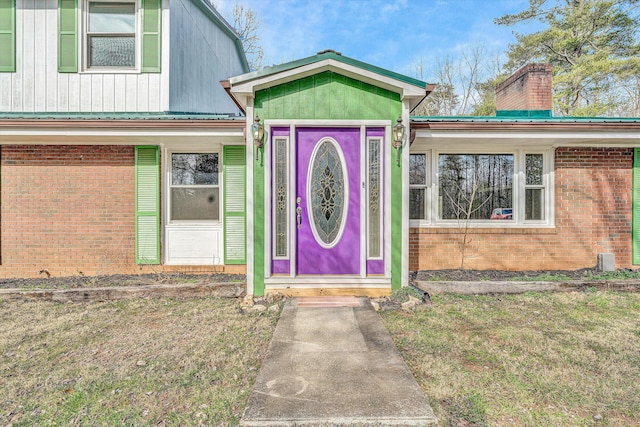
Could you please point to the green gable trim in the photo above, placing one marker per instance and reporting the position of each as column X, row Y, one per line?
column 7, row 36
column 68, row 36
column 151, row 37
column 635, row 222
column 327, row 95
column 329, row 55
column 235, row 223
column 147, row 207
column 524, row 113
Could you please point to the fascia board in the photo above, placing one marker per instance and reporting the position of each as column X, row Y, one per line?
column 403, row 89
column 556, row 139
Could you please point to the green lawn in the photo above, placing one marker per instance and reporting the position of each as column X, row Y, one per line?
column 549, row 359
column 137, row 362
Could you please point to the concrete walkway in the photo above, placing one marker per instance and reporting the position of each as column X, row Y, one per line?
column 332, row 362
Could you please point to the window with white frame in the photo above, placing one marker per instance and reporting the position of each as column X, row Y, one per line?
column 508, row 188
column 418, row 186
column 194, row 187
column 111, row 34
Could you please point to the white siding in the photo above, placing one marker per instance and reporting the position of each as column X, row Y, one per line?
column 202, row 55
column 36, row 86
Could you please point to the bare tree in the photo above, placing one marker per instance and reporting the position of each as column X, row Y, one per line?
column 247, row 24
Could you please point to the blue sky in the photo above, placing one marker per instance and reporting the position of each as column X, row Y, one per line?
column 393, row 34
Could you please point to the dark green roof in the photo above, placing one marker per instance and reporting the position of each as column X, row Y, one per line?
column 329, row 54
column 521, row 119
column 117, row 116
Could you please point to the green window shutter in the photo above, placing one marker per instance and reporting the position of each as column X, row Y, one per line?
column 635, row 226
column 68, row 36
column 234, row 176
column 8, row 36
column 147, row 205
column 151, row 40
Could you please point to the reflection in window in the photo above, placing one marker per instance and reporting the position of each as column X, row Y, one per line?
column 111, row 34
column 417, row 186
column 471, row 186
column 194, row 187
column 534, row 189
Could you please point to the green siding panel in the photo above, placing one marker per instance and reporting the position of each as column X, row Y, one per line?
column 68, row 36
column 147, row 176
column 635, row 226
column 234, row 176
column 327, row 95
column 151, row 35
column 8, row 36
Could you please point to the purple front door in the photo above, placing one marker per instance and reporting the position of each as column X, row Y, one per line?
column 328, row 201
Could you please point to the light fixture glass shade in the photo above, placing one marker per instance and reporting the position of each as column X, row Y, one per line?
column 398, row 134
column 258, row 132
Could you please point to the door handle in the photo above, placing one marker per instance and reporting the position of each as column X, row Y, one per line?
column 299, row 216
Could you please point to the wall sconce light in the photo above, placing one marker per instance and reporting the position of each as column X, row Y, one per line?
column 257, row 131
column 399, row 131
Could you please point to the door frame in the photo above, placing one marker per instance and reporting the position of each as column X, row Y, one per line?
column 352, row 280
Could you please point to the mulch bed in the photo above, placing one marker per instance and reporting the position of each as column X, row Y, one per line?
column 496, row 275
column 118, row 280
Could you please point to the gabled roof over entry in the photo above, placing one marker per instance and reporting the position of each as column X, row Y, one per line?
column 243, row 87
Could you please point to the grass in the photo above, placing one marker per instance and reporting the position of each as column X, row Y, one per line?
column 548, row 359
column 137, row 362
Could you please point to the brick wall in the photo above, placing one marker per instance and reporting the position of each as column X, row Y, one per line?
column 70, row 210
column 592, row 215
column 529, row 88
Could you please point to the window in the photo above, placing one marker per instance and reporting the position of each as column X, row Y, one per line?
column 534, row 187
column 494, row 189
column 111, row 34
column 471, row 186
column 195, row 191
column 417, row 186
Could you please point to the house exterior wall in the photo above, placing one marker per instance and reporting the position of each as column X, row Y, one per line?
column 202, row 54
column 70, row 210
column 593, row 212
column 37, row 86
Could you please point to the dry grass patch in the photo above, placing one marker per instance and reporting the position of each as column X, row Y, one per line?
column 554, row 359
column 138, row 362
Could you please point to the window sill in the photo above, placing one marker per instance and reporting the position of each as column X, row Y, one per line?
column 417, row 227
column 110, row 71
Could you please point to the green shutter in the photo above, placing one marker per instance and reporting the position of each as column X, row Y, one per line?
column 234, row 178
column 68, row 36
column 8, row 36
column 147, row 205
column 151, row 40
column 635, row 227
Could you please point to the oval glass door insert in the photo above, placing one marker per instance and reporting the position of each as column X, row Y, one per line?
column 327, row 193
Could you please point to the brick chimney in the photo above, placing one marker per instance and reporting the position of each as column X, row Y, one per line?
column 526, row 93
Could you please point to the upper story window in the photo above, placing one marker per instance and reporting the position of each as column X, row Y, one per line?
column 111, row 34
column 487, row 189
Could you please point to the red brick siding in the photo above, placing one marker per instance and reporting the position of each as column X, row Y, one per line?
column 529, row 88
column 592, row 215
column 70, row 210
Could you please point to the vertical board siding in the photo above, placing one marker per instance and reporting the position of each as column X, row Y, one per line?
column 147, row 205
column 202, row 55
column 48, row 74
column 7, row 36
column 151, row 39
column 635, row 226
column 234, row 176
column 328, row 95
